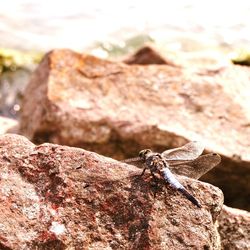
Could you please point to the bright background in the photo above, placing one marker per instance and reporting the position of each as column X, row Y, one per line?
column 43, row 25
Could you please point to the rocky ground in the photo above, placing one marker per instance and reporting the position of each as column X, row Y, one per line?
column 59, row 197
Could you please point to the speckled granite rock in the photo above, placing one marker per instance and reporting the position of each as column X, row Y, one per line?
column 57, row 197
column 234, row 228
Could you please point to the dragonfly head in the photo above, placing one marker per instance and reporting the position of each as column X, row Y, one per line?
column 143, row 153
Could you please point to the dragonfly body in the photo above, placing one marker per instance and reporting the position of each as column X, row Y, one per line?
column 157, row 164
column 185, row 160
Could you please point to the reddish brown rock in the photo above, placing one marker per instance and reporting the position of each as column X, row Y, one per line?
column 57, row 197
column 116, row 110
column 234, row 228
column 148, row 55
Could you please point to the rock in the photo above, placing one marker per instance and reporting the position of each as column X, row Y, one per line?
column 148, row 55
column 8, row 125
column 153, row 54
column 57, row 197
column 234, row 228
column 116, row 110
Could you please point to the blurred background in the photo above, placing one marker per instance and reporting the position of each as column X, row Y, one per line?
column 110, row 28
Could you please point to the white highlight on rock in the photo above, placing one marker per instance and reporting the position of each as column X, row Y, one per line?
column 57, row 228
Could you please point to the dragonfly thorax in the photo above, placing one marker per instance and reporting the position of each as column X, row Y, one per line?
column 155, row 162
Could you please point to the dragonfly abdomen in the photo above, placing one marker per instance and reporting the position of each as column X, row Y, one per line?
column 170, row 178
column 189, row 197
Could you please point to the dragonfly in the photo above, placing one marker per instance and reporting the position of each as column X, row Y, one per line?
column 186, row 160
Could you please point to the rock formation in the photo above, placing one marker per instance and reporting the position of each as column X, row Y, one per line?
column 117, row 109
column 58, row 197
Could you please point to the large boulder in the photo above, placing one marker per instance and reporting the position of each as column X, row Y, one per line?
column 58, row 197
column 116, row 110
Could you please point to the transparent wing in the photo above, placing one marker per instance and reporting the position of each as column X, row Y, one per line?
column 189, row 151
column 195, row 168
column 136, row 161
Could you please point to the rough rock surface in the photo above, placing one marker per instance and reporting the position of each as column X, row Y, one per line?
column 57, row 197
column 116, row 110
column 234, row 228
column 7, row 125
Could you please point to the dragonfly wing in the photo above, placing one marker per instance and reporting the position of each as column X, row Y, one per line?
column 189, row 151
column 136, row 161
column 196, row 168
